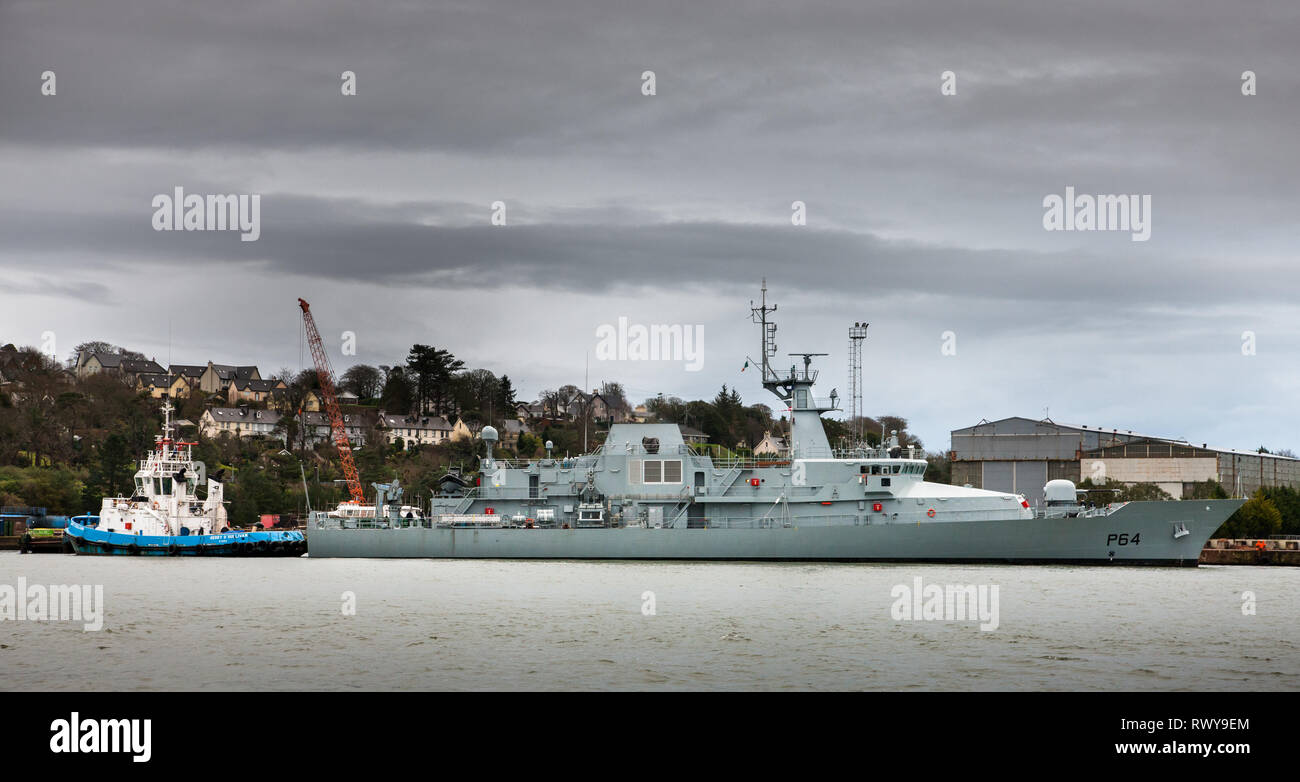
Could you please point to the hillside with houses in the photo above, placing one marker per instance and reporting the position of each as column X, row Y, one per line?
column 70, row 431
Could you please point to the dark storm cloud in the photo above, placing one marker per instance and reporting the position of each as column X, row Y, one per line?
column 405, row 243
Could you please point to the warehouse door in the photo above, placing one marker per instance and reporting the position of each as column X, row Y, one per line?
column 1030, row 477
column 999, row 476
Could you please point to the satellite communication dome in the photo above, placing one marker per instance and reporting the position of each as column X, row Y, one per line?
column 489, row 433
column 1059, row 490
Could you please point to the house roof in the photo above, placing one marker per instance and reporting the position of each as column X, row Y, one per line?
column 231, row 372
column 515, row 427
column 321, row 419
column 1203, row 448
column 1047, row 424
column 142, row 366
column 187, row 370
column 437, row 423
column 106, row 360
column 156, row 380
column 243, row 415
column 587, row 397
column 245, row 384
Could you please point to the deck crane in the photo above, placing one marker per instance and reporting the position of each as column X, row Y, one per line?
column 331, row 402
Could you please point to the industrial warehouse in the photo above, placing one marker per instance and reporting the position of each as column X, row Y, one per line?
column 1020, row 455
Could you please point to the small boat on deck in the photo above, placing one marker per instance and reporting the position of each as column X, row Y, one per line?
column 166, row 517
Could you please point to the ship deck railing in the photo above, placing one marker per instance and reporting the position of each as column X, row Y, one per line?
column 568, row 463
column 859, row 452
column 775, row 520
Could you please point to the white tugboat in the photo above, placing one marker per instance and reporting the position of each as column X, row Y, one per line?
column 165, row 516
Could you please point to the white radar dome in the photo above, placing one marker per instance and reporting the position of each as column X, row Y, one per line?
column 1059, row 490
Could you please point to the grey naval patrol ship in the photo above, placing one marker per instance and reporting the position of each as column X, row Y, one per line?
column 647, row 494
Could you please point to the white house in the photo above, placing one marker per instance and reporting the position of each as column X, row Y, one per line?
column 415, row 430
column 239, row 422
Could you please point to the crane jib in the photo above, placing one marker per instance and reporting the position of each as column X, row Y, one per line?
column 331, row 402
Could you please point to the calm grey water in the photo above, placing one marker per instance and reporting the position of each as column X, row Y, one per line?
column 231, row 624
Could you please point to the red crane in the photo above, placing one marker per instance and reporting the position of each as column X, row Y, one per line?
column 331, row 402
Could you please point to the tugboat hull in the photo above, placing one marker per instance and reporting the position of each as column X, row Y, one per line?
column 90, row 541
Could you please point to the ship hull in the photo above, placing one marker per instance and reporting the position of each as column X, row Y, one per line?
column 1139, row 533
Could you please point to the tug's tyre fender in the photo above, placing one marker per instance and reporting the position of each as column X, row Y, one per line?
column 173, row 549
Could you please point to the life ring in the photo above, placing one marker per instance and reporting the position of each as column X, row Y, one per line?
column 930, row 513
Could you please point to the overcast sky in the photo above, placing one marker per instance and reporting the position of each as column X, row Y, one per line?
column 924, row 211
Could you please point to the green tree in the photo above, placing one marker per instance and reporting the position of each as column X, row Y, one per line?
column 365, row 381
column 432, row 370
column 1258, row 518
column 113, row 468
column 939, row 468
column 505, row 402
column 398, row 395
column 1287, row 501
column 1205, row 490
column 528, row 445
column 1139, row 492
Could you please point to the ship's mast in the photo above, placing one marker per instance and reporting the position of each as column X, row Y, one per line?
column 166, row 437
column 768, row 334
column 807, row 435
column 857, row 333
